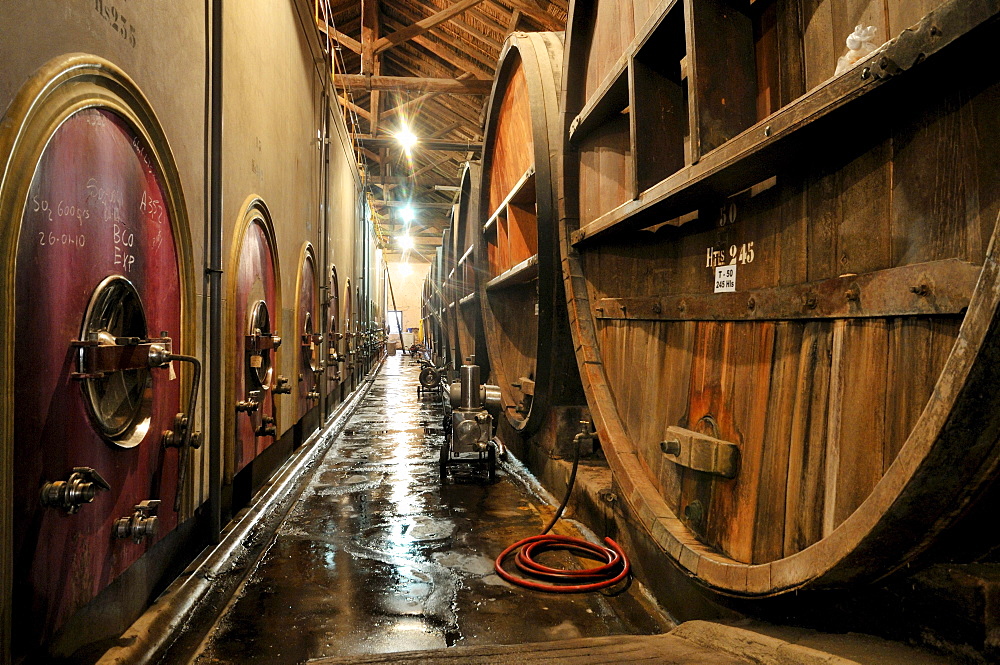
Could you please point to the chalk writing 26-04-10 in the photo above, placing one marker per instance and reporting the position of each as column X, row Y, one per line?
column 60, row 210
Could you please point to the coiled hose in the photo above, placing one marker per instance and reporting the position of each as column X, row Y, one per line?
column 614, row 569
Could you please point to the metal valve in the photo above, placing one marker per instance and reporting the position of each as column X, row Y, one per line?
column 267, row 427
column 312, row 394
column 248, row 405
column 81, row 487
column 140, row 524
column 174, row 438
column 282, row 386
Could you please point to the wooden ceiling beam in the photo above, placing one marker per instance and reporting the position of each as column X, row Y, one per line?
column 487, row 20
column 547, row 20
column 339, row 37
column 451, row 86
column 399, row 108
column 371, row 64
column 418, row 28
column 351, row 106
column 415, row 204
column 369, row 34
column 481, row 69
column 424, row 144
column 476, row 34
column 455, row 106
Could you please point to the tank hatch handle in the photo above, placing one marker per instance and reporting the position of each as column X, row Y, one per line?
column 308, row 339
column 81, row 487
column 701, row 452
column 97, row 360
column 259, row 341
column 140, row 524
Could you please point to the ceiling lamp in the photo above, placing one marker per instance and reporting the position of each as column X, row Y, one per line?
column 406, row 213
column 405, row 242
column 407, row 139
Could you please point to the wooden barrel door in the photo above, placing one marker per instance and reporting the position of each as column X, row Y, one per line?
column 309, row 334
column 520, row 292
column 785, row 329
column 254, row 319
column 98, row 250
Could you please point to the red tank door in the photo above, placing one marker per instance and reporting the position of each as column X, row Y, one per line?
column 309, row 330
column 255, row 317
column 98, row 281
column 334, row 351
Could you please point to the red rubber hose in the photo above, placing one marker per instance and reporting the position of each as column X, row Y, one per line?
column 615, row 568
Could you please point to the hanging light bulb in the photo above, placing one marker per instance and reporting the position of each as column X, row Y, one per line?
column 407, row 139
column 407, row 214
column 405, row 242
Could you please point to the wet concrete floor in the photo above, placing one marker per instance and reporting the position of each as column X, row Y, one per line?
column 378, row 556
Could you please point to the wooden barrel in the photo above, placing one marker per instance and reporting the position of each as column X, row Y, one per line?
column 783, row 283
column 449, row 308
column 465, row 317
column 520, row 292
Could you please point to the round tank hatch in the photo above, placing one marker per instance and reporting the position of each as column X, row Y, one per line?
column 119, row 402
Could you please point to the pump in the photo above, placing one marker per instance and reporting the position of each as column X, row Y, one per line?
column 470, row 433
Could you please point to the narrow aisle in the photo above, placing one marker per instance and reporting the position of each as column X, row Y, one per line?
column 378, row 557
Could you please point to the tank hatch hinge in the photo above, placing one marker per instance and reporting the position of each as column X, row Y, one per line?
column 701, row 452
column 142, row 523
column 81, row 487
column 282, row 386
column 97, row 359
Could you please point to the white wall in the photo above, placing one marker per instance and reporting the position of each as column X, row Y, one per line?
column 407, row 283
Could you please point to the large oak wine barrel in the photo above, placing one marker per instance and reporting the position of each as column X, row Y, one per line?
column 465, row 316
column 520, row 290
column 783, row 283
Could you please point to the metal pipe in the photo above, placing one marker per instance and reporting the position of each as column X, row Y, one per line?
column 214, row 270
column 470, row 387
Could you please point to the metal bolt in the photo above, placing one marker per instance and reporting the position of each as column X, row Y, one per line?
column 657, row 309
column 694, row 512
column 853, row 293
column 866, row 73
column 767, row 130
column 920, row 289
column 672, row 447
column 751, row 303
column 811, row 301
